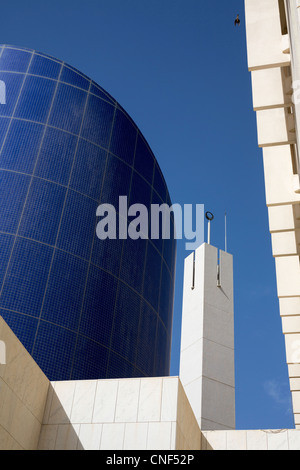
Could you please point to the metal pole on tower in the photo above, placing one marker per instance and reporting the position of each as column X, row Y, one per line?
column 225, row 232
column 209, row 217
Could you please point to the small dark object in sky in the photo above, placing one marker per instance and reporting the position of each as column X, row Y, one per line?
column 237, row 21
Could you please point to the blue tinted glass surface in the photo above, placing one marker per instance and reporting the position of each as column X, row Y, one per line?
column 132, row 258
column 98, row 91
column 107, row 254
column 168, row 249
column 140, row 191
column 98, row 121
column 88, row 169
column 153, row 276
column 164, row 304
column 119, row 367
column 26, row 278
column 56, row 156
column 24, row 326
column 42, row 212
column 21, row 146
column 4, row 124
column 73, row 78
column 85, row 308
column 117, row 181
column 13, row 83
column 14, row 187
column 78, row 225
column 35, row 100
column 57, row 357
column 98, row 310
column 44, row 67
column 65, row 290
column 91, row 360
column 6, row 244
column 146, row 345
column 144, row 161
column 159, row 184
column 159, row 221
column 125, row 327
column 162, row 350
column 14, row 60
column 123, row 137
column 68, row 108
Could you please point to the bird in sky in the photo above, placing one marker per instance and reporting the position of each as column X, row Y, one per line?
column 237, row 21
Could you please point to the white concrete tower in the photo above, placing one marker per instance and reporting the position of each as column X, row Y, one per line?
column 207, row 337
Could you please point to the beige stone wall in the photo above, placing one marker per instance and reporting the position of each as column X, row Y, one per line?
column 188, row 434
column 23, row 393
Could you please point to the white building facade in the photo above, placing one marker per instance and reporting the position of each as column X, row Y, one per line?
column 273, row 47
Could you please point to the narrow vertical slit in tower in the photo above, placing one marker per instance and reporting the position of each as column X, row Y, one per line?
column 193, row 278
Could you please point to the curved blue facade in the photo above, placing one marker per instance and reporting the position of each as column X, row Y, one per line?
column 84, row 308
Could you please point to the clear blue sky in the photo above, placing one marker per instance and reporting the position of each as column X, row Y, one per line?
column 179, row 68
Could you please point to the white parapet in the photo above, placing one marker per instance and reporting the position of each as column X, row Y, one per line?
column 207, row 337
column 119, row 414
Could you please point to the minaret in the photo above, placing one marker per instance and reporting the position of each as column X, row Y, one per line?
column 207, row 337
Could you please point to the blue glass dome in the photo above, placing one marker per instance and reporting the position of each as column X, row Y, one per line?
column 84, row 308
